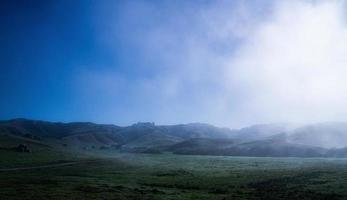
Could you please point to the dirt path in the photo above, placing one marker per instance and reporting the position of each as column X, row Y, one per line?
column 39, row 167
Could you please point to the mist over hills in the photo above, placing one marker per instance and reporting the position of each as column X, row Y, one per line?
column 278, row 140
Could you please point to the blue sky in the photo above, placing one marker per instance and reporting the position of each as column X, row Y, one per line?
column 172, row 61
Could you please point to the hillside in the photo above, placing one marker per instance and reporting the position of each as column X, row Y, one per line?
column 85, row 135
column 327, row 135
column 275, row 140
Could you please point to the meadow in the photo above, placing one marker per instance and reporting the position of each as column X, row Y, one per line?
column 114, row 175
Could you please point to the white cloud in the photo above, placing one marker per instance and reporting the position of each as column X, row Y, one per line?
column 293, row 68
column 234, row 63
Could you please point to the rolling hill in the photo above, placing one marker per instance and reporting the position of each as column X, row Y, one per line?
column 276, row 140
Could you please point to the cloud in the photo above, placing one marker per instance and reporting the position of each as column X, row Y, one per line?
column 293, row 67
column 229, row 63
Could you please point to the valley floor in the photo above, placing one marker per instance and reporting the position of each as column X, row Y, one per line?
column 113, row 175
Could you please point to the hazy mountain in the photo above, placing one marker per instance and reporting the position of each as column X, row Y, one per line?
column 324, row 139
column 261, row 131
column 153, row 139
column 197, row 130
column 327, row 135
column 276, row 146
column 203, row 146
column 85, row 134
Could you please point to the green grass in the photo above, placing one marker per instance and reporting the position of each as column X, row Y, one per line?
column 14, row 159
column 167, row 176
column 41, row 153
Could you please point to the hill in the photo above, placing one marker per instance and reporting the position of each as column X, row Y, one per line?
column 315, row 140
column 86, row 135
column 327, row 135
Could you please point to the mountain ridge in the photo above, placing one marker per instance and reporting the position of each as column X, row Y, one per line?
column 194, row 138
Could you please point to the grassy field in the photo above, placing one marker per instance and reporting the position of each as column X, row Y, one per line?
column 41, row 153
column 113, row 175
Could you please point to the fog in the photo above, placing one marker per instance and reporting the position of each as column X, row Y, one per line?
column 228, row 63
column 293, row 67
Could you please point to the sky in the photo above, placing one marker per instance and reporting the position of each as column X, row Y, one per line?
column 227, row 63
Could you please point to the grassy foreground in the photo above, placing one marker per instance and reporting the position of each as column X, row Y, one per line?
column 166, row 176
